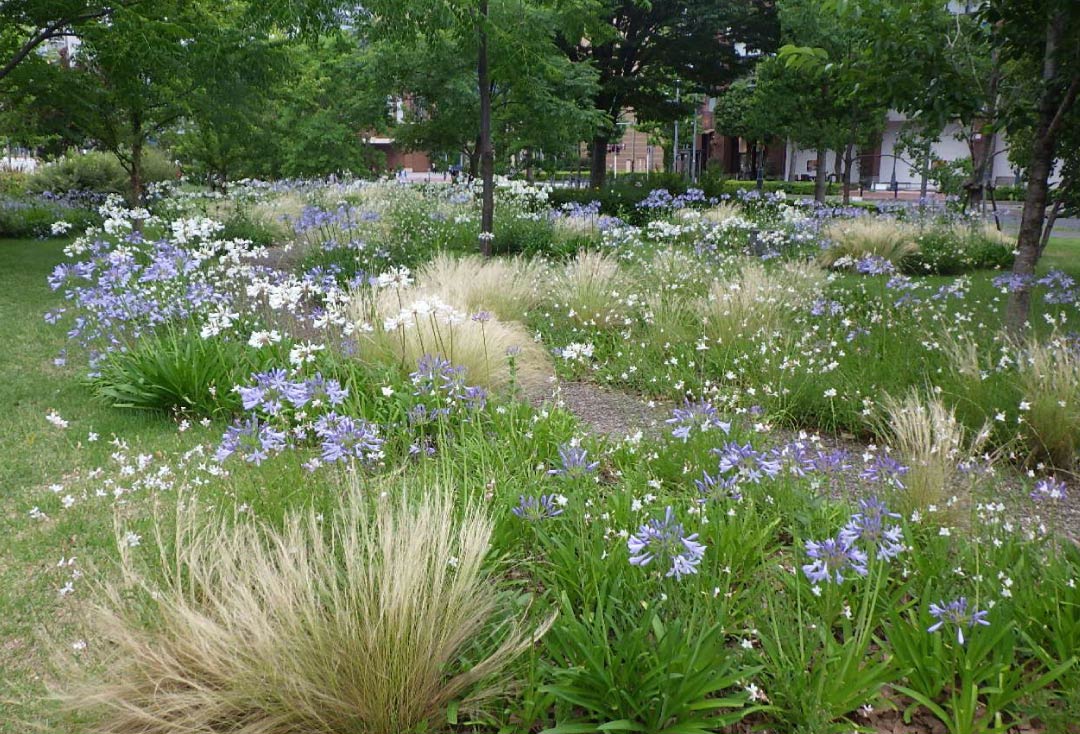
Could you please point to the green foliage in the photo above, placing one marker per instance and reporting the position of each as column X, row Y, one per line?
column 174, row 369
column 950, row 176
column 968, row 686
column 959, row 249
column 33, row 217
column 621, row 667
column 97, row 172
column 819, row 665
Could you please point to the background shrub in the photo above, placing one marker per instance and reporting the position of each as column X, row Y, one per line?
column 25, row 217
column 98, row 172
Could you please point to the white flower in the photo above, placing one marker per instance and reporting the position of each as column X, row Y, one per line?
column 304, row 353
column 260, row 339
column 61, row 227
column 53, row 417
column 830, row 393
column 132, row 540
column 387, row 391
column 78, row 645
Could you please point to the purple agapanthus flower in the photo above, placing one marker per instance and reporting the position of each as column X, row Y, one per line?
column 539, row 508
column 252, row 440
column 1048, row 488
column 885, row 470
column 667, row 542
column 870, row 526
column 956, row 613
column 875, row 265
column 1012, row 282
column 345, row 438
column 318, row 392
column 269, row 393
column 701, row 415
column 575, row 462
column 747, row 462
column 718, row 488
column 435, row 374
column 831, row 558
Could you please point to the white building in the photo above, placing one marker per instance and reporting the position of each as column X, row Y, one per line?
column 888, row 161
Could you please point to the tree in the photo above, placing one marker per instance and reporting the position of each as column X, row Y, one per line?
column 135, row 74
column 323, row 116
column 468, row 24
column 845, row 89
column 218, row 140
column 935, row 66
column 1041, row 36
column 642, row 50
column 541, row 103
column 26, row 24
column 504, row 38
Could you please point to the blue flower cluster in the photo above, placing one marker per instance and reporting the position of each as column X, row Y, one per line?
column 287, row 411
column 665, row 541
column 832, row 558
column 956, row 613
column 702, row 416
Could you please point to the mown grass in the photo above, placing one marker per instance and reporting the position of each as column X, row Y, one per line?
column 34, row 455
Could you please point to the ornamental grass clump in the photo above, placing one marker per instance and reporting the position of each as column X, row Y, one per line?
column 507, row 287
column 852, row 240
column 1049, row 376
column 589, row 288
column 758, row 299
column 372, row 621
column 493, row 353
column 934, row 446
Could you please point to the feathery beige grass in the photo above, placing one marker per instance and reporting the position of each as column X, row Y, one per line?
column 590, row 288
column 406, row 325
column 1049, row 375
column 868, row 236
column 932, row 443
column 716, row 214
column 507, row 287
column 357, row 624
column 758, row 298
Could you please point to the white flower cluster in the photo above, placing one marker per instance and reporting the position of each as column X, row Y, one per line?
column 424, row 308
column 194, row 228
column 577, row 352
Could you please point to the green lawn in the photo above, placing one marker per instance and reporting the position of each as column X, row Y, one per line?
column 33, row 455
column 1062, row 253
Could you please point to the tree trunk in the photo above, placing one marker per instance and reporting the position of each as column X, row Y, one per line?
column 1053, row 107
column 136, row 173
column 598, row 161
column 474, row 160
column 1031, row 227
column 1055, row 211
column 791, row 150
column 849, row 155
column 977, row 184
column 487, row 154
column 821, row 177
